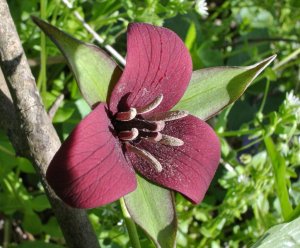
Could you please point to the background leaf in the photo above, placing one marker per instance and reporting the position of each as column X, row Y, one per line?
column 94, row 70
column 212, row 89
column 156, row 216
column 281, row 236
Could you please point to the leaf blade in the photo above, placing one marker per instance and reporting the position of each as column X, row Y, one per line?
column 212, row 89
column 283, row 235
column 152, row 208
column 88, row 63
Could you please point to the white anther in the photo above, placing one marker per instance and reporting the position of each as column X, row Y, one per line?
column 151, row 106
column 171, row 141
column 145, row 155
column 153, row 138
column 169, row 116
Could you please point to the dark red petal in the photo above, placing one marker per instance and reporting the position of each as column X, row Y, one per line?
column 90, row 169
column 157, row 62
column 187, row 169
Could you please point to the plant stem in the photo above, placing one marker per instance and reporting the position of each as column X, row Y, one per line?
column 287, row 59
column 265, row 97
column 239, row 132
column 295, row 214
column 42, row 79
column 131, row 228
column 7, row 229
column 279, row 170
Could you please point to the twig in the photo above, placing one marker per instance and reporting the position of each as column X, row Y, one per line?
column 50, row 61
column 53, row 109
column 287, row 59
column 38, row 140
column 109, row 48
column 259, row 40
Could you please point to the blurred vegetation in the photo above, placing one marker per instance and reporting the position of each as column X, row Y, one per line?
column 259, row 133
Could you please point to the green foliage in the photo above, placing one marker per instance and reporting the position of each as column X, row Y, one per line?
column 212, row 89
column 249, row 195
column 152, row 207
column 283, row 235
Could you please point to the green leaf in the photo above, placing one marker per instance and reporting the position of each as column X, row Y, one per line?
column 280, row 236
column 212, row 89
column 40, row 203
column 52, row 228
column 94, row 70
column 279, row 170
column 63, row 114
column 31, row 222
column 152, row 208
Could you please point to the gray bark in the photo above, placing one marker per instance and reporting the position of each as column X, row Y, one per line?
column 30, row 130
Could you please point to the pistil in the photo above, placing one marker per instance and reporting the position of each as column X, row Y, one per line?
column 128, row 135
column 132, row 127
column 126, row 116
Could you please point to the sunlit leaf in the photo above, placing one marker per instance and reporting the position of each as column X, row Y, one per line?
column 281, row 236
column 152, row 208
column 94, row 70
column 212, row 89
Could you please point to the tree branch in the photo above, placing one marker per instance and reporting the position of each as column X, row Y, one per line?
column 27, row 122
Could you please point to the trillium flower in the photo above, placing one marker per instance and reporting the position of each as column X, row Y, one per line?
column 137, row 132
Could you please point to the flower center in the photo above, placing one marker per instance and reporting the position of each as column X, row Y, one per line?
column 131, row 127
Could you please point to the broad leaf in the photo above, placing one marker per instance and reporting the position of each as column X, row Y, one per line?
column 280, row 236
column 212, row 89
column 152, row 208
column 94, row 70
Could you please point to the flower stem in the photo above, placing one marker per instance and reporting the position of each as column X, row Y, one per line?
column 7, row 232
column 295, row 214
column 131, row 228
column 265, row 97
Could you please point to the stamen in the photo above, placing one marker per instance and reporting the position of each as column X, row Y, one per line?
column 152, row 105
column 160, row 125
column 169, row 116
column 143, row 125
column 151, row 136
column 170, row 141
column 128, row 135
column 145, row 155
column 126, row 116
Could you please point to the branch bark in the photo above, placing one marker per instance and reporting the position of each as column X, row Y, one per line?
column 30, row 129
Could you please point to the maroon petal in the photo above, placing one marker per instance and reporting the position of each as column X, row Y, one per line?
column 90, row 169
column 189, row 168
column 157, row 62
